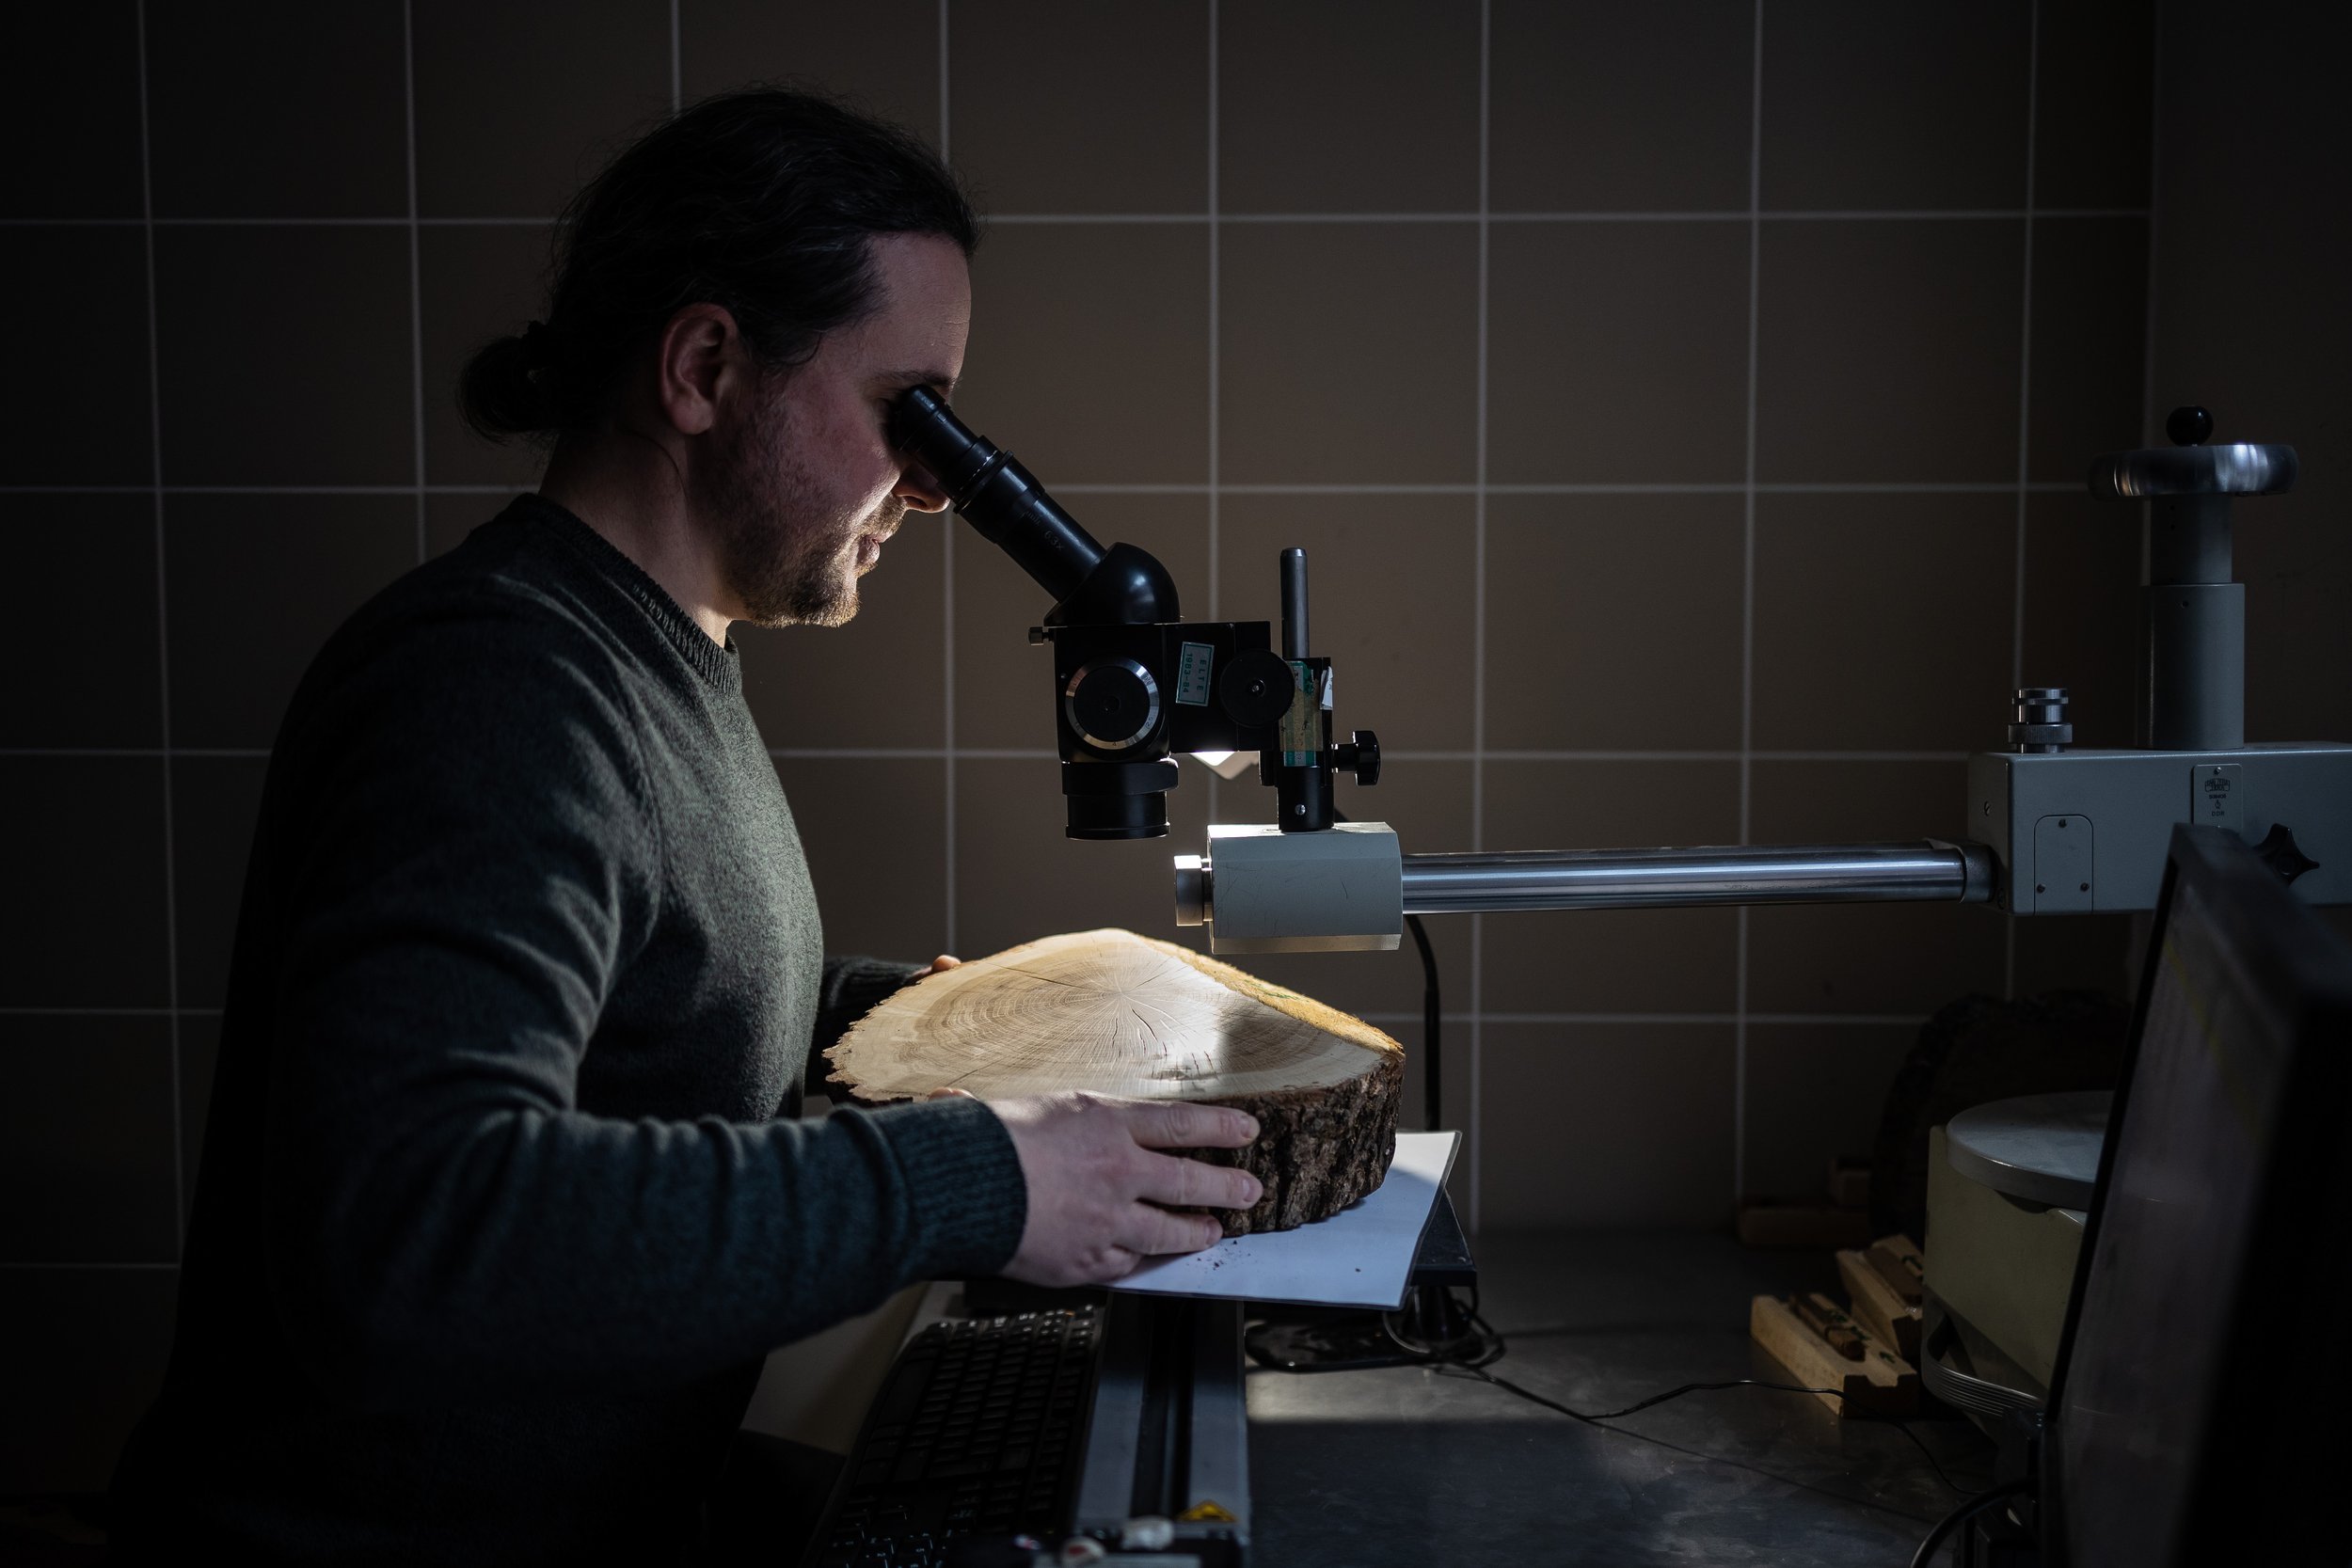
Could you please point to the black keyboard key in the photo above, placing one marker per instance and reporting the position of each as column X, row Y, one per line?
column 974, row 1432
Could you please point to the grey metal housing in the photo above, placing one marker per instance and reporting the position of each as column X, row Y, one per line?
column 2088, row 829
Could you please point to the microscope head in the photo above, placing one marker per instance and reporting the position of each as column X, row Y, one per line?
column 1133, row 682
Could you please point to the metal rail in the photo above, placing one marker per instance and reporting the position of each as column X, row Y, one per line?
column 1923, row 871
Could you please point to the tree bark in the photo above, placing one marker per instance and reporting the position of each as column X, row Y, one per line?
column 1115, row 1013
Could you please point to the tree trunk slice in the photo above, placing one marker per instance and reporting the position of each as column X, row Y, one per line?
column 1115, row 1013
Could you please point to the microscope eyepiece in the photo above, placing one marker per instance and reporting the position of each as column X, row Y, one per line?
column 924, row 427
column 995, row 494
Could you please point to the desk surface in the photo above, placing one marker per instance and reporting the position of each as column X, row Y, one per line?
column 1406, row 1466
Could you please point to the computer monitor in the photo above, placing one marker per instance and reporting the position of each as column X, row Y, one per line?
column 2198, row 1405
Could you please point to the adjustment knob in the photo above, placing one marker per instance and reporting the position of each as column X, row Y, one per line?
column 1192, row 891
column 2190, row 467
column 2279, row 852
column 2041, row 722
column 1256, row 688
column 1360, row 752
column 1112, row 703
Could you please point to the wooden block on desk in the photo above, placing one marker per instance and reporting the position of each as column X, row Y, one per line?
column 1896, row 1261
column 1849, row 1182
column 1881, row 1384
column 1794, row 1224
column 1877, row 1306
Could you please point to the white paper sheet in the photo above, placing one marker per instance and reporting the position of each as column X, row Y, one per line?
column 1360, row 1257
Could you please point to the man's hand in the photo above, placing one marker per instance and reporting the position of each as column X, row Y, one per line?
column 1097, row 1187
column 941, row 964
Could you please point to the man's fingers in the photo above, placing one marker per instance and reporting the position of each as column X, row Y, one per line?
column 1153, row 1231
column 951, row 1094
column 1175, row 1124
column 1198, row 1184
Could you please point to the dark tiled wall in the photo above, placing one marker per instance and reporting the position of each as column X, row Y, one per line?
column 1685, row 405
column 2251, row 318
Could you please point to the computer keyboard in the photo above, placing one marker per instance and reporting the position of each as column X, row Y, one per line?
column 978, row 1429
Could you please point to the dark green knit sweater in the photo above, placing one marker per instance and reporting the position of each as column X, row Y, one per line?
column 495, row 1222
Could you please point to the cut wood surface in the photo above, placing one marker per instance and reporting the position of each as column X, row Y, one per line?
column 1121, row 1014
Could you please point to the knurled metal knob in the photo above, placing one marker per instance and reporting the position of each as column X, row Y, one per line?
column 2040, row 724
column 2190, row 466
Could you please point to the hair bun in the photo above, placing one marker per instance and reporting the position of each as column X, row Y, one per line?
column 501, row 392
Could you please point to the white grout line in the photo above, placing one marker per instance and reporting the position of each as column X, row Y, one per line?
column 2024, row 413
column 163, row 642
column 111, row 1268
column 416, row 264
column 109, row 1012
column 1747, row 612
column 1216, row 360
column 946, row 613
column 995, row 219
column 1873, row 1019
column 165, row 751
column 1735, row 214
column 1216, row 308
column 1985, row 487
column 1033, row 754
column 2150, row 434
column 1879, row 1020
column 1478, row 620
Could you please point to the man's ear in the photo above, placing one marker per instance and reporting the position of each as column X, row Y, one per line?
column 701, row 353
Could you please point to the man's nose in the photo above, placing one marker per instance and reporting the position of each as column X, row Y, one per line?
column 919, row 490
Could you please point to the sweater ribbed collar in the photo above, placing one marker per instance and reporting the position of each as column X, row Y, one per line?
column 714, row 662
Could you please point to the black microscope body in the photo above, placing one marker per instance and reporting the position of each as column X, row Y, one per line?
column 1133, row 682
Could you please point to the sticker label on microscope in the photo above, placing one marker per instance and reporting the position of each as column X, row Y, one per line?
column 1301, row 730
column 1193, row 660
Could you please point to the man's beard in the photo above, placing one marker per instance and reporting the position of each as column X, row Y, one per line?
column 786, row 553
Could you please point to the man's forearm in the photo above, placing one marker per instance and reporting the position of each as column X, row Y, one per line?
column 527, row 1251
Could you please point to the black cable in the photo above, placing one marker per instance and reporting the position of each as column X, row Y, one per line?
column 1433, row 1075
column 1921, row 1444
column 1488, row 1344
column 1961, row 1515
column 1433, row 1078
column 1594, row 1419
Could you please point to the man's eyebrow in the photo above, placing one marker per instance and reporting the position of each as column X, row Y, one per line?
column 938, row 381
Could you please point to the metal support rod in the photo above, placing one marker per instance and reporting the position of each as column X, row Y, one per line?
column 1927, row 870
column 1293, row 604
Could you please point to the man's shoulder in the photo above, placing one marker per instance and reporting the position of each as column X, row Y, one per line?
column 509, row 584
column 499, row 626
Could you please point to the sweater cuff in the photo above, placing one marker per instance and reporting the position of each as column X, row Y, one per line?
column 849, row 990
column 967, row 1200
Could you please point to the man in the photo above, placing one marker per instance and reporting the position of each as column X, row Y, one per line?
column 502, row 1200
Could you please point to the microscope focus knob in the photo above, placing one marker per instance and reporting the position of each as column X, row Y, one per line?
column 1256, row 688
column 1112, row 703
column 1360, row 752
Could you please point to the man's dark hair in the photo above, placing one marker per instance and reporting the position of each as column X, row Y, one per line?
column 761, row 201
